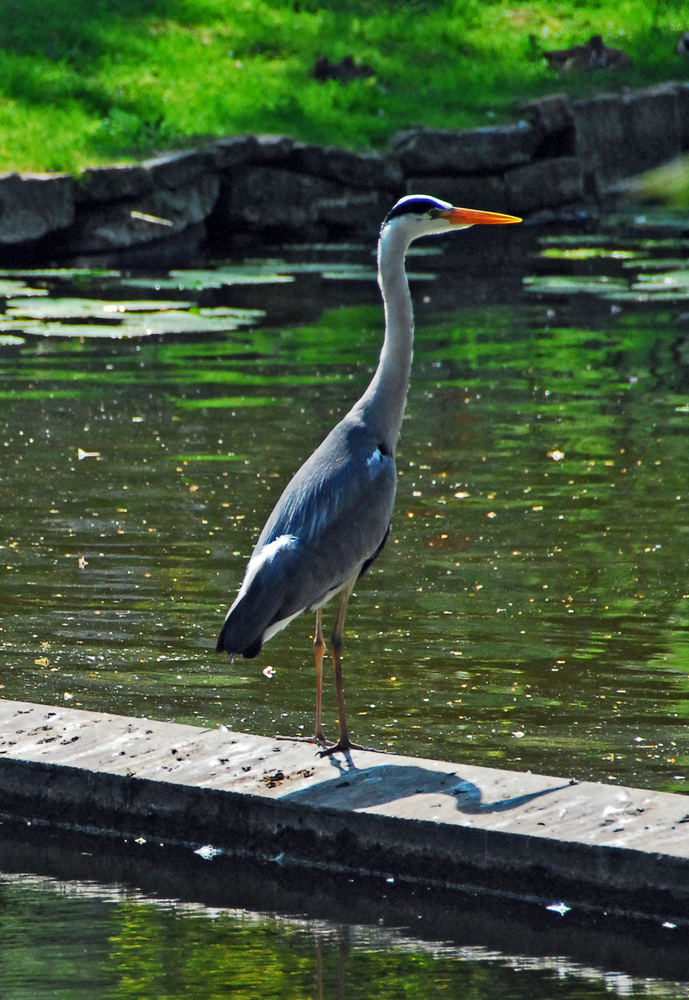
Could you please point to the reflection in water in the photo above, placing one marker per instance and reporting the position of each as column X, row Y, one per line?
column 238, row 929
column 531, row 609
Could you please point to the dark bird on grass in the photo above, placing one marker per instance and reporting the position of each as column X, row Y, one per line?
column 682, row 45
column 343, row 72
column 333, row 518
column 595, row 54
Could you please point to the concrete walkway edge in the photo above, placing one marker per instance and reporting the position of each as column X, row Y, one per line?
column 430, row 822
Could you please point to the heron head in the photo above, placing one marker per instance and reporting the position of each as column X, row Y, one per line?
column 422, row 215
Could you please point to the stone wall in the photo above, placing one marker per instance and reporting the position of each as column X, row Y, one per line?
column 560, row 160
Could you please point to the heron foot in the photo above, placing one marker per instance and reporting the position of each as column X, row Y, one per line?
column 342, row 746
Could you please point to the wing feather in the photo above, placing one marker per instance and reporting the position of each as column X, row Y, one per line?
column 336, row 514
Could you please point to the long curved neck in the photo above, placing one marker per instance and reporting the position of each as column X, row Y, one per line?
column 386, row 396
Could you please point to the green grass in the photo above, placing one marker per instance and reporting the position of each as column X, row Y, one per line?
column 94, row 81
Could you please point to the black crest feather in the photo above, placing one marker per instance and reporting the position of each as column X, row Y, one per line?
column 413, row 205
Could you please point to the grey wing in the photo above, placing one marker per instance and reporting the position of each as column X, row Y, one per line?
column 339, row 507
column 329, row 523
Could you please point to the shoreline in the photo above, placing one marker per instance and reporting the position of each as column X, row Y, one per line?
column 563, row 161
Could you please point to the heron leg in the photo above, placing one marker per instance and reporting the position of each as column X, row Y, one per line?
column 319, row 650
column 344, row 743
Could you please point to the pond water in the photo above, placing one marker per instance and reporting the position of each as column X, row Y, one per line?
column 168, row 924
column 531, row 609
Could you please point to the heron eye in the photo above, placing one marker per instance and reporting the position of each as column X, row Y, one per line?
column 433, row 213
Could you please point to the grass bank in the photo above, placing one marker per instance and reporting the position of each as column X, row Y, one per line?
column 95, row 81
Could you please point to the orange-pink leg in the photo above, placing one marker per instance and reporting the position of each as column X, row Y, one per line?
column 319, row 650
column 344, row 743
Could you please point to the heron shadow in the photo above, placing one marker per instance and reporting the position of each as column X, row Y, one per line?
column 385, row 783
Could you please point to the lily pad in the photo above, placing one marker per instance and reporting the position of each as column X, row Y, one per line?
column 120, row 320
column 10, row 288
column 97, row 309
column 199, row 279
column 673, row 283
column 588, row 253
column 558, row 284
column 224, row 402
column 67, row 273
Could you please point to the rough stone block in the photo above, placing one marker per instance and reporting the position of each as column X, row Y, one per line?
column 552, row 119
column 354, row 169
column 274, row 148
column 156, row 216
column 682, row 90
column 113, row 183
column 237, row 150
column 484, row 150
column 234, row 150
column 486, row 191
column 174, row 170
column 359, row 212
column 600, row 137
column 264, row 197
column 652, row 127
column 544, row 184
column 549, row 115
column 34, row 205
column 621, row 135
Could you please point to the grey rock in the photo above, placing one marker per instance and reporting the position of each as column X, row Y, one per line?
column 34, row 205
column 174, row 170
column 358, row 170
column 550, row 115
column 274, row 148
column 159, row 215
column 544, row 184
column 264, row 197
column 234, row 150
column 600, row 138
column 648, row 144
column 484, row 150
column 621, row 135
column 485, row 191
column 355, row 211
column 682, row 90
column 113, row 183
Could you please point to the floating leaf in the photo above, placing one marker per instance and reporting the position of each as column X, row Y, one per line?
column 554, row 284
column 98, row 309
column 11, row 288
column 130, row 323
column 224, row 402
column 199, row 279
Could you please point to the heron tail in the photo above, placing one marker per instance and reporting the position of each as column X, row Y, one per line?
column 230, row 642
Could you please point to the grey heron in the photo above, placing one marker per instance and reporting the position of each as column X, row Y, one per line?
column 333, row 518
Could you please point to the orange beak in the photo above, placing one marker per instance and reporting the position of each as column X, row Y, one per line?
column 472, row 217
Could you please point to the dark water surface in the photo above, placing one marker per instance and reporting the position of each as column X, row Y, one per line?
column 532, row 606
column 531, row 609
column 139, row 920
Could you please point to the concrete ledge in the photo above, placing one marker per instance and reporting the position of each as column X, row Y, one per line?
column 526, row 836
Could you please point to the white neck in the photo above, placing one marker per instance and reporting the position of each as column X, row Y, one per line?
column 386, row 396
